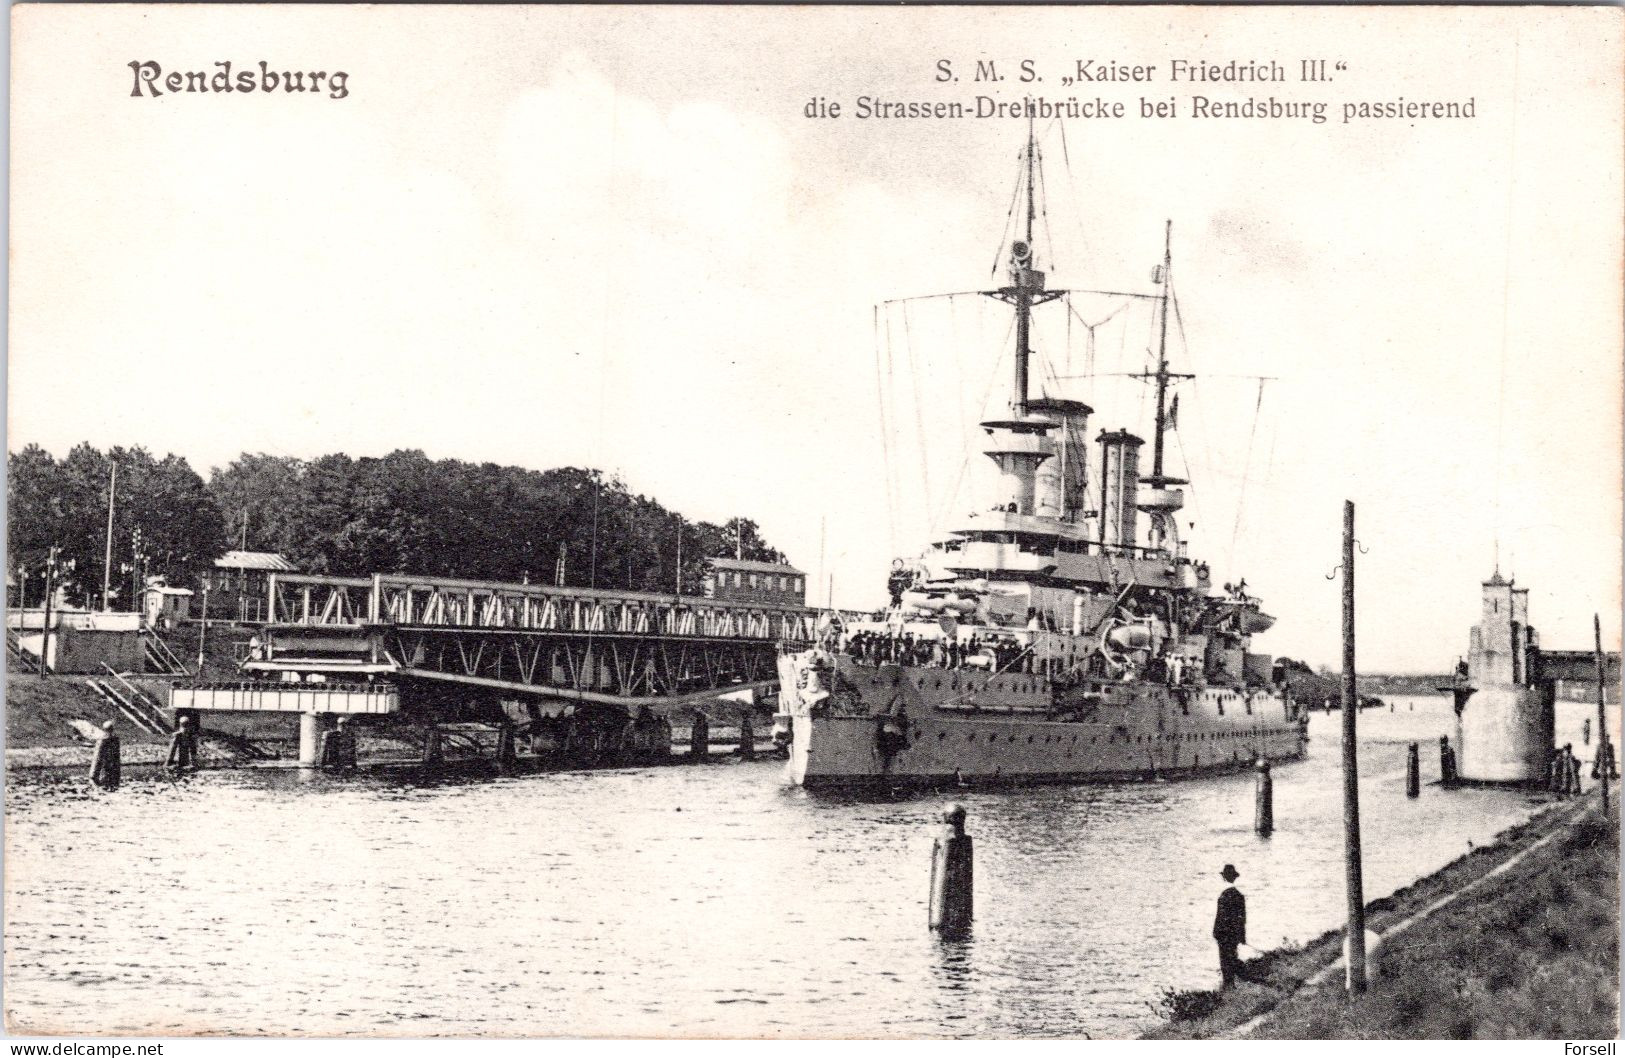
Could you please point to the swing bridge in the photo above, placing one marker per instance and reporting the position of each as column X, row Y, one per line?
column 441, row 649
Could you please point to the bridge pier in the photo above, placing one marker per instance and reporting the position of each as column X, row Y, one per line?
column 311, row 728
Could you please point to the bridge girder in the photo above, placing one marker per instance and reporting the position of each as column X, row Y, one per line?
column 621, row 666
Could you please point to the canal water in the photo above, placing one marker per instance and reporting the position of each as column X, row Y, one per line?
column 708, row 901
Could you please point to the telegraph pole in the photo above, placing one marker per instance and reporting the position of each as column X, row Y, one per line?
column 1351, row 778
column 203, row 631
column 45, row 625
column 1604, row 764
column 107, row 554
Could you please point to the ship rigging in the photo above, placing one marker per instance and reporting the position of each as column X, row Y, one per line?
column 1040, row 638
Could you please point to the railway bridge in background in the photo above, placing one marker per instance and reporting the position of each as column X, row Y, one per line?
column 441, row 650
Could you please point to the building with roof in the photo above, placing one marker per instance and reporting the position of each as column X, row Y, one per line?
column 164, row 606
column 235, row 589
column 747, row 580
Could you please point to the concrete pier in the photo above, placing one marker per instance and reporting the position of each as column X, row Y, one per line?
column 311, row 728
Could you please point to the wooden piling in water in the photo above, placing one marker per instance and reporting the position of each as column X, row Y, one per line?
column 952, row 876
column 699, row 738
column 1413, row 771
column 747, row 738
column 1264, row 801
column 182, row 754
column 507, row 757
column 107, row 766
column 433, row 754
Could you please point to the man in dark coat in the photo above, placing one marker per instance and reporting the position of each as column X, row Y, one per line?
column 1230, row 926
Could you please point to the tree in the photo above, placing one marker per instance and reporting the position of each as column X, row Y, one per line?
column 401, row 513
column 164, row 521
column 258, row 496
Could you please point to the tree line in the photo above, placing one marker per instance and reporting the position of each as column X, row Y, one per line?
column 402, row 513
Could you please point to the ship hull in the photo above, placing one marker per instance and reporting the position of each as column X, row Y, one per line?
column 928, row 738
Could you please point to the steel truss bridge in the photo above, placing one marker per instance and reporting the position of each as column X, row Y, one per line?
column 612, row 648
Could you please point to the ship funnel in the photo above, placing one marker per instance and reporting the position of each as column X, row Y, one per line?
column 1119, row 480
column 1061, row 483
column 1018, row 446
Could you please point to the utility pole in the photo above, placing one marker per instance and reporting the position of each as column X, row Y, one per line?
column 1603, row 762
column 107, row 554
column 558, row 570
column 45, row 625
column 1351, row 778
column 679, row 577
column 203, row 630
column 137, row 560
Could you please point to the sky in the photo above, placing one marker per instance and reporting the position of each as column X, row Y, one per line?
column 611, row 237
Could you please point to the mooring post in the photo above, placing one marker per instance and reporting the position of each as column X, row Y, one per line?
column 182, row 754
column 506, row 756
column 338, row 745
column 347, row 743
column 1264, row 814
column 699, row 738
column 747, row 737
column 1447, row 762
column 1413, row 771
column 433, row 755
column 952, row 875
column 1351, row 778
column 107, row 766
column 332, row 751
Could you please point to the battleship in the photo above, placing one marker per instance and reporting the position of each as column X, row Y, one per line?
column 1048, row 637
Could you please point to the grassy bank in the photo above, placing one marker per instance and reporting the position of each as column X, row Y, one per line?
column 38, row 711
column 1531, row 952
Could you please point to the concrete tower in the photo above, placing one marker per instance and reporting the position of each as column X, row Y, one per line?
column 1504, row 717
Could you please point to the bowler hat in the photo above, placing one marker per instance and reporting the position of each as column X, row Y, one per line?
column 1229, row 873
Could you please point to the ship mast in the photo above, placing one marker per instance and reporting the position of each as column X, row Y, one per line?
column 1023, row 289
column 1026, row 288
column 1163, row 375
